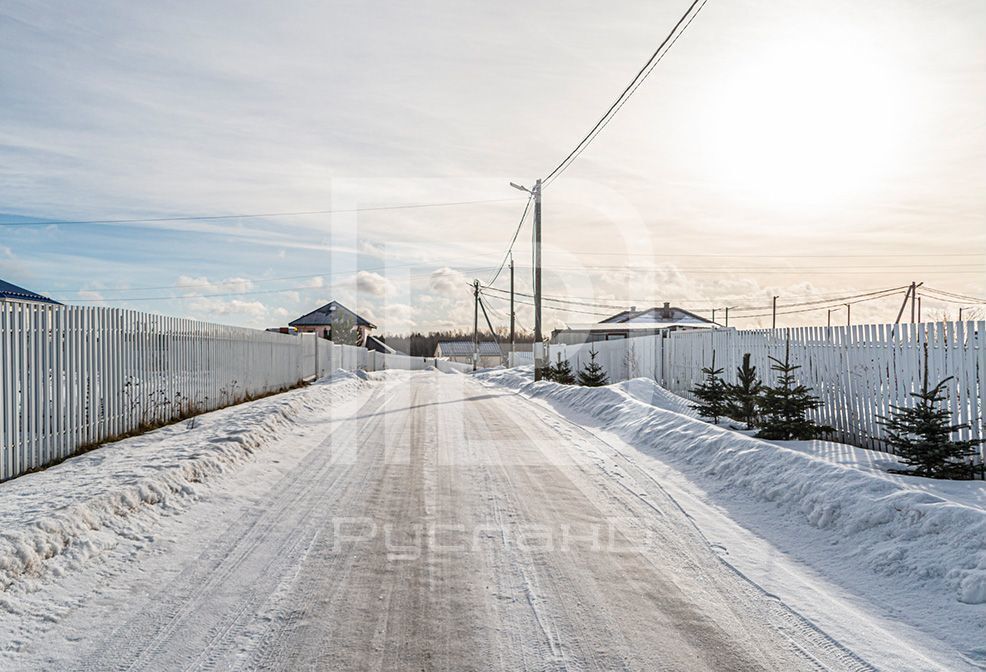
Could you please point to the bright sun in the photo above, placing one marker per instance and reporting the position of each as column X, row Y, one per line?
column 811, row 122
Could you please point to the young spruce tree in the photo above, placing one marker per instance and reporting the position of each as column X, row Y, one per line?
column 785, row 406
column 712, row 393
column 744, row 395
column 922, row 434
column 592, row 374
column 562, row 373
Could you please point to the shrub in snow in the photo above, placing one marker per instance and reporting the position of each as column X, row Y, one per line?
column 712, row 393
column 922, row 435
column 592, row 374
column 562, row 372
column 785, row 406
column 744, row 395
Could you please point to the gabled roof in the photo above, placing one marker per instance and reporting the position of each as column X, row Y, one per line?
column 15, row 293
column 328, row 314
column 465, row 348
column 636, row 326
column 374, row 343
column 667, row 314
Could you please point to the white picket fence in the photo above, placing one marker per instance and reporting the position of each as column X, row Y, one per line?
column 74, row 376
column 857, row 372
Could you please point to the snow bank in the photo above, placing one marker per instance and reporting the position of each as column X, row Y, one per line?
column 896, row 528
column 56, row 519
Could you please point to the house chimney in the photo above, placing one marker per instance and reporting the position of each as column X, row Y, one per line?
column 666, row 313
column 633, row 309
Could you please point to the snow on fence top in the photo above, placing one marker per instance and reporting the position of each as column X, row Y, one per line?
column 858, row 371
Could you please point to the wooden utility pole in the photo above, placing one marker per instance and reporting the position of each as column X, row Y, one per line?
column 727, row 317
column 773, row 323
column 919, row 310
column 829, row 317
column 914, row 294
column 907, row 296
column 848, row 314
column 513, row 341
column 713, row 316
column 538, row 345
column 475, row 324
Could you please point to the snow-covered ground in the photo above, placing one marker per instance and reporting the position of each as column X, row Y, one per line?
column 893, row 566
column 55, row 521
column 566, row 528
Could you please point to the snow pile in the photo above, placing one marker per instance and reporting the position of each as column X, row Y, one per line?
column 896, row 528
column 56, row 519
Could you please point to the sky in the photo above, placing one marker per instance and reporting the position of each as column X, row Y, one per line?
column 812, row 149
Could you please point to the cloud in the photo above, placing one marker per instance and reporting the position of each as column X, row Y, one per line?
column 90, row 295
column 207, row 307
column 398, row 318
column 315, row 282
column 198, row 286
column 447, row 281
column 374, row 284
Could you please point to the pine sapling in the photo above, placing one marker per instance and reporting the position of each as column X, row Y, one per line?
column 785, row 405
column 592, row 374
column 922, row 435
column 712, row 393
column 562, row 373
column 744, row 395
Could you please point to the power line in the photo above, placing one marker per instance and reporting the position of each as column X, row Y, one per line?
column 513, row 240
column 811, row 270
column 567, row 310
column 305, row 213
column 755, row 255
column 954, row 295
column 254, row 279
column 638, row 79
column 224, row 294
column 816, row 308
column 888, row 291
column 556, row 300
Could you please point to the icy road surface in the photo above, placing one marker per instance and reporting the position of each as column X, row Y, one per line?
column 438, row 524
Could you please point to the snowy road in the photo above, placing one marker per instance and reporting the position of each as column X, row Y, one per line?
column 437, row 524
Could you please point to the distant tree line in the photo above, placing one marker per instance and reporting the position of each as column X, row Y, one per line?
column 418, row 344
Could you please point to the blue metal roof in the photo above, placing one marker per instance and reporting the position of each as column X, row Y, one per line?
column 465, row 348
column 15, row 293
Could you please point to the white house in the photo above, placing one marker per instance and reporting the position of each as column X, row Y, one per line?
column 632, row 323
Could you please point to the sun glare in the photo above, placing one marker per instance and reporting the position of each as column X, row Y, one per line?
column 807, row 123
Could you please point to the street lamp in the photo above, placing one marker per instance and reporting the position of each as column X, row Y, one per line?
column 538, row 345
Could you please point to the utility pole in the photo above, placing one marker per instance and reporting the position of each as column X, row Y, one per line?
column 960, row 314
column 475, row 324
column 538, row 345
column 907, row 296
column 713, row 316
column 848, row 314
column 919, row 310
column 773, row 323
column 914, row 293
column 513, row 347
column 727, row 317
column 829, row 317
